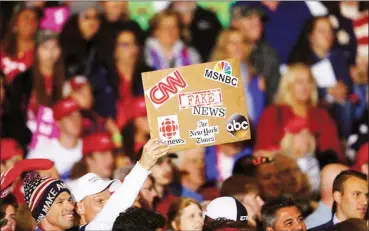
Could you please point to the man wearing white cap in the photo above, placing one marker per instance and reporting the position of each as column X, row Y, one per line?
column 95, row 204
column 225, row 212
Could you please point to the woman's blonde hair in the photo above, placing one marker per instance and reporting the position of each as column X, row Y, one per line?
column 284, row 95
column 175, row 211
column 287, row 140
column 219, row 51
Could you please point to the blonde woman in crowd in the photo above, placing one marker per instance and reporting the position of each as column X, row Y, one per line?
column 298, row 97
column 231, row 43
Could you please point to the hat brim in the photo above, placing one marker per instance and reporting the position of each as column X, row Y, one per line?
column 112, row 185
column 170, row 155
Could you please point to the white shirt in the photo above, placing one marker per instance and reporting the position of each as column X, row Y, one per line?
column 122, row 199
column 63, row 158
column 225, row 165
column 335, row 220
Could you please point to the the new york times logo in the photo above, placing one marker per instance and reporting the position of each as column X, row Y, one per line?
column 237, row 125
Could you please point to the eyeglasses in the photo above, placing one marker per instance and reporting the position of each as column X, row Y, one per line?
column 127, row 45
column 90, row 17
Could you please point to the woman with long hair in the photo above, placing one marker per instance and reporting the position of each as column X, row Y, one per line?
column 18, row 45
column 83, row 53
column 232, row 44
column 297, row 97
column 40, row 85
column 317, row 44
column 126, row 72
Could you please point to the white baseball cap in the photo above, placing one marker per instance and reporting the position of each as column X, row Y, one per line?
column 227, row 208
column 91, row 184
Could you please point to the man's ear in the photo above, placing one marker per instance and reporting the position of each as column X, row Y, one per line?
column 80, row 208
column 337, row 197
column 174, row 225
column 89, row 159
column 269, row 228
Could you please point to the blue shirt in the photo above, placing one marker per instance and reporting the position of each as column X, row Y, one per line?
column 320, row 216
column 181, row 191
column 283, row 26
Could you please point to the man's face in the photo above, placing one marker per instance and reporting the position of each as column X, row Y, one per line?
column 163, row 172
column 101, row 163
column 288, row 219
column 72, row 124
column 92, row 205
column 61, row 213
column 353, row 202
column 194, row 164
column 251, row 26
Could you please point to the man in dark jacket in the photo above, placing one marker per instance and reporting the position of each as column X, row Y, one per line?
column 200, row 26
column 350, row 194
column 249, row 20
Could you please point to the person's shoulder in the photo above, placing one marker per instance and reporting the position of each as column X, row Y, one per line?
column 23, row 77
column 320, row 112
column 276, row 108
column 322, row 227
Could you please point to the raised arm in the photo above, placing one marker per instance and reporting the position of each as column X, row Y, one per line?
column 124, row 197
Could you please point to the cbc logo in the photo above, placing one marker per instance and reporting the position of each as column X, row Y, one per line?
column 237, row 125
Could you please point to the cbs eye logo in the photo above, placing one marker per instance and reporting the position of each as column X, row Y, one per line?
column 237, row 125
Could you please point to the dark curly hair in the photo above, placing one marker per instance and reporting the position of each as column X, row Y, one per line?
column 138, row 219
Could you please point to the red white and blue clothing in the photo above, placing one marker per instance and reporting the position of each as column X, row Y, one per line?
column 119, row 201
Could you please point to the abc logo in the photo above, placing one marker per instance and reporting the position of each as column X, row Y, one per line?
column 237, row 125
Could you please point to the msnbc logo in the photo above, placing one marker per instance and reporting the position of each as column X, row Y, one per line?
column 222, row 73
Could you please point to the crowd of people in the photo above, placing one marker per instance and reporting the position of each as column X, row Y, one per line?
column 75, row 148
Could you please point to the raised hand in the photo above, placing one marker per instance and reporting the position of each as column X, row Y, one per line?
column 152, row 151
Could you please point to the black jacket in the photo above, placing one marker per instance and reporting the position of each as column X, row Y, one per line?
column 323, row 227
column 265, row 61
column 204, row 29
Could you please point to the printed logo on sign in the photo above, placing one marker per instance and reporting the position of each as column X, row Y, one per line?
column 210, row 97
column 169, row 130
column 222, row 73
column 237, row 125
column 166, row 89
column 204, row 134
column 209, row 111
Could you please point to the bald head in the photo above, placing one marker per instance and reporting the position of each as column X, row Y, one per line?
column 327, row 176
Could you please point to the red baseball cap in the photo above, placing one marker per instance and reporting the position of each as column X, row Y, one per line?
column 139, row 107
column 362, row 157
column 296, row 125
column 9, row 176
column 9, row 148
column 97, row 142
column 75, row 83
column 64, row 107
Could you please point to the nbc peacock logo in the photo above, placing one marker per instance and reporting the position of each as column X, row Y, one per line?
column 222, row 73
column 223, row 67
